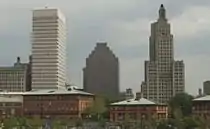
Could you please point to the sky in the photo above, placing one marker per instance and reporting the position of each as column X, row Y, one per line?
column 124, row 25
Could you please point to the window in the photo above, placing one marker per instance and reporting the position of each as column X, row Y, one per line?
column 12, row 111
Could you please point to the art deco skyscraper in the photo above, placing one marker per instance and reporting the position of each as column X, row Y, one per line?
column 101, row 74
column 164, row 77
column 48, row 49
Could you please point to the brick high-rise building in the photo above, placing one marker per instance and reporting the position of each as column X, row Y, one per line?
column 164, row 77
column 101, row 74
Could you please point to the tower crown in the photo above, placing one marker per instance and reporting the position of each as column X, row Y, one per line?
column 162, row 12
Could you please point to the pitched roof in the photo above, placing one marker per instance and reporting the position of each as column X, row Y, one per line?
column 56, row 91
column 204, row 98
column 141, row 101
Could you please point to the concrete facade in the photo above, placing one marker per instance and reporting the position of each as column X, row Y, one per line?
column 48, row 49
column 206, row 88
column 101, row 74
column 16, row 78
column 164, row 77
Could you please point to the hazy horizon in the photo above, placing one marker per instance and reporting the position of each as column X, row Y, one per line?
column 124, row 25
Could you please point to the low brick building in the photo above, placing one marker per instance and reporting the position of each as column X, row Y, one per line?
column 63, row 103
column 136, row 110
column 10, row 106
column 201, row 106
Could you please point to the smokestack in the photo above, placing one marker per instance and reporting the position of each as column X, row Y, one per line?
column 18, row 59
column 200, row 92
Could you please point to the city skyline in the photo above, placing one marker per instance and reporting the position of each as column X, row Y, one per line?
column 127, row 34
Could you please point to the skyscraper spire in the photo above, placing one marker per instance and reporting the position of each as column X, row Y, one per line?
column 162, row 12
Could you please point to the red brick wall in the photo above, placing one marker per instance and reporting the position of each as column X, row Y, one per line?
column 137, row 112
column 8, row 108
column 55, row 105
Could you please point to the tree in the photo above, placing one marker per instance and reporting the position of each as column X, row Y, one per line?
column 19, row 122
column 151, row 122
column 35, row 122
column 79, row 123
column 162, row 125
column 182, row 101
column 190, row 123
column 22, row 122
column 97, row 109
column 203, row 123
column 126, row 122
column 10, row 123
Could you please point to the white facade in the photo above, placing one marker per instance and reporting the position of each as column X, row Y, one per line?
column 48, row 49
column 164, row 77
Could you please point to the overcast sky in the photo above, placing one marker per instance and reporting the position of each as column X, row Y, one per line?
column 124, row 25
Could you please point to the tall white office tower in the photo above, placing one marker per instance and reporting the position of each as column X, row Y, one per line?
column 164, row 77
column 48, row 49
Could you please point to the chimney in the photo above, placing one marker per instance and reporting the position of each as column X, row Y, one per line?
column 200, row 92
column 18, row 59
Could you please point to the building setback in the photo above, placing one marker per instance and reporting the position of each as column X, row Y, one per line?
column 101, row 74
column 48, row 49
column 164, row 77
column 16, row 78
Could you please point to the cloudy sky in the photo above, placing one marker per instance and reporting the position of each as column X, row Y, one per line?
column 124, row 24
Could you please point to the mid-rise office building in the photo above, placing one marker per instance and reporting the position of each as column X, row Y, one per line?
column 101, row 74
column 48, row 49
column 15, row 78
column 127, row 94
column 206, row 88
column 164, row 77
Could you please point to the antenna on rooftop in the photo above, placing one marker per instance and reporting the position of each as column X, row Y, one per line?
column 46, row 6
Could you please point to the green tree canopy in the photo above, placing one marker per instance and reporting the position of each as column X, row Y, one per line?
column 98, row 107
column 182, row 101
column 190, row 123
